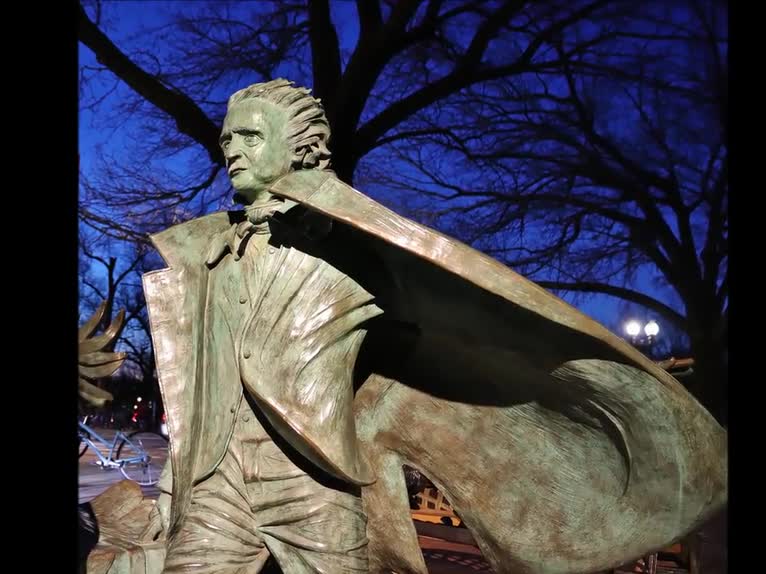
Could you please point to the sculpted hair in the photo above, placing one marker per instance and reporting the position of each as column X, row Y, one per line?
column 308, row 129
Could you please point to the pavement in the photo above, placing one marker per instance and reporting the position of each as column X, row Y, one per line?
column 95, row 478
column 444, row 557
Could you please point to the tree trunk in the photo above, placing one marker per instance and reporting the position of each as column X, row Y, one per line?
column 710, row 381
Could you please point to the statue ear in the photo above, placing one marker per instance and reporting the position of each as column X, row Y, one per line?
column 307, row 156
column 312, row 153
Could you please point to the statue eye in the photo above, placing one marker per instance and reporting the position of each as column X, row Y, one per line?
column 225, row 144
column 252, row 139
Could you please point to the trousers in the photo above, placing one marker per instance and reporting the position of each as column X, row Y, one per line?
column 261, row 502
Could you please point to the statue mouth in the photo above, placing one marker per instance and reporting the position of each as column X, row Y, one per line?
column 235, row 170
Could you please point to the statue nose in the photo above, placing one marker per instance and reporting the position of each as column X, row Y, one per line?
column 232, row 153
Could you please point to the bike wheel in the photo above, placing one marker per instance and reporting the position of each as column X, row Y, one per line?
column 143, row 456
column 83, row 447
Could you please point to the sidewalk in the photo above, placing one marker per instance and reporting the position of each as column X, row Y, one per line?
column 443, row 557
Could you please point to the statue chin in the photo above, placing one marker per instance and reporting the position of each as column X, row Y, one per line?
column 249, row 196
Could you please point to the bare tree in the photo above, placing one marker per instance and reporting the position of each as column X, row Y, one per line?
column 211, row 49
column 100, row 275
column 114, row 281
column 612, row 166
column 583, row 143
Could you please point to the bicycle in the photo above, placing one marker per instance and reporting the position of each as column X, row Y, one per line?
column 130, row 453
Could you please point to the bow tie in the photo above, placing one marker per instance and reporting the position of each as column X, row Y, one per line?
column 259, row 214
column 256, row 222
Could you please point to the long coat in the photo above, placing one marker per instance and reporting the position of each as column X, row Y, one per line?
column 562, row 447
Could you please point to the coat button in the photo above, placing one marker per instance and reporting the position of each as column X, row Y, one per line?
column 242, row 299
column 233, row 408
column 246, row 418
column 271, row 250
column 246, row 354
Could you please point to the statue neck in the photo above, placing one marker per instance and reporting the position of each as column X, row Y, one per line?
column 260, row 210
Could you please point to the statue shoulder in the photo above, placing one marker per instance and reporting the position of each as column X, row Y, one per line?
column 187, row 243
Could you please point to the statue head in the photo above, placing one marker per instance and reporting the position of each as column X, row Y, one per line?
column 270, row 129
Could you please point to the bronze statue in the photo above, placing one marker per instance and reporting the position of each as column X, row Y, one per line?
column 311, row 344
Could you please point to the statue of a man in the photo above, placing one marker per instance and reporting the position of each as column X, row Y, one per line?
column 265, row 457
column 547, row 433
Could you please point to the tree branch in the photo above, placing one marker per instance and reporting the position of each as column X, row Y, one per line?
column 189, row 118
column 325, row 56
column 96, row 289
column 371, row 54
column 131, row 267
column 712, row 253
column 465, row 73
column 621, row 293
column 487, row 31
column 370, row 19
column 90, row 255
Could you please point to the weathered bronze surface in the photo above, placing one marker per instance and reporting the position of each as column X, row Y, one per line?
column 94, row 361
column 125, row 544
column 313, row 343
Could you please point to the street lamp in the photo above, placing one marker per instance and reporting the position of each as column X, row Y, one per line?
column 644, row 343
column 633, row 328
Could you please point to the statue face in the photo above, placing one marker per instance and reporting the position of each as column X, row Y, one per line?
column 254, row 142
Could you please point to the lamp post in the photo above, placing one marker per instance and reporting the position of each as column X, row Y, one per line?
column 651, row 329
column 633, row 329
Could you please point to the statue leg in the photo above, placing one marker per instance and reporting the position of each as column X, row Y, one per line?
column 394, row 544
column 310, row 523
column 218, row 534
